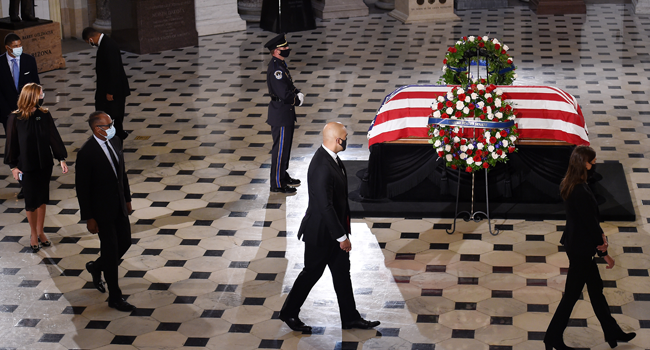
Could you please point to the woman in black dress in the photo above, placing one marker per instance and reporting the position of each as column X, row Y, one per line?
column 583, row 238
column 32, row 138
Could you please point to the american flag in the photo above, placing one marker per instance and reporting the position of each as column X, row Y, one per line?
column 544, row 112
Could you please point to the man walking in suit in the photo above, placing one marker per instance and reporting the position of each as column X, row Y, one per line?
column 112, row 83
column 105, row 202
column 282, row 114
column 325, row 229
column 16, row 70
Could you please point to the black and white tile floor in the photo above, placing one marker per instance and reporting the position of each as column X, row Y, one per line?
column 214, row 252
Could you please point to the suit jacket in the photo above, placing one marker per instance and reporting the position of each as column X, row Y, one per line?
column 284, row 96
column 31, row 143
column 102, row 195
column 583, row 232
column 111, row 78
column 8, row 93
column 328, row 213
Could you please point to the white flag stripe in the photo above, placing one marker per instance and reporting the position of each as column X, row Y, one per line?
column 398, row 124
column 553, row 124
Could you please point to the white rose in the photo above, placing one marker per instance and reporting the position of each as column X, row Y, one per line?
column 513, row 138
column 495, row 41
column 467, row 99
column 463, row 156
column 478, row 163
column 465, row 110
column 489, row 109
column 471, row 38
column 499, row 115
column 460, row 105
column 488, row 95
column 436, row 132
column 498, row 135
column 512, row 117
column 490, row 116
column 441, row 99
column 450, row 96
column 481, row 105
column 515, row 76
column 480, row 87
column 479, row 145
column 449, row 110
column 459, row 42
column 461, row 91
column 448, row 148
column 487, row 135
column 491, row 148
column 469, row 160
column 453, row 117
column 449, row 157
column 497, row 102
column 456, row 139
column 494, row 155
column 436, row 114
column 470, row 146
column 485, row 38
column 505, row 47
column 503, row 155
column 437, row 143
column 444, row 68
column 504, row 143
column 463, row 148
column 474, row 80
column 499, row 92
column 456, row 129
column 474, row 96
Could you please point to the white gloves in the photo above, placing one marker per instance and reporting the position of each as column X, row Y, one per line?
column 301, row 97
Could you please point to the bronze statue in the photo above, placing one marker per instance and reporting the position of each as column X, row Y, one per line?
column 26, row 10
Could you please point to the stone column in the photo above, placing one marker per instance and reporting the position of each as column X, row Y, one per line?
column 558, row 7
column 214, row 17
column 641, row 7
column 250, row 10
column 74, row 18
column 328, row 9
column 385, row 4
column 103, row 20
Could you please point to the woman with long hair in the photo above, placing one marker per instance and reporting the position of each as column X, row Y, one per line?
column 583, row 238
column 32, row 139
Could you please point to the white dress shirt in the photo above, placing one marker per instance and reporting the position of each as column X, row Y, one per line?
column 103, row 144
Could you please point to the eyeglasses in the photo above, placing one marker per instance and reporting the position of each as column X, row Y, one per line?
column 106, row 126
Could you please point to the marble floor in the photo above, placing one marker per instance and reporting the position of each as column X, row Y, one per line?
column 214, row 252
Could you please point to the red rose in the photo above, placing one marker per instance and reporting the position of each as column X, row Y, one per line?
column 479, row 153
column 441, row 154
column 511, row 149
column 453, row 50
column 493, row 87
column 468, row 169
column 456, row 145
column 461, row 97
column 463, row 141
column 477, row 158
column 504, row 133
column 499, row 152
column 493, row 140
column 483, row 81
column 478, row 38
column 481, row 44
column 484, row 109
column 470, row 91
column 482, row 92
column 501, row 109
column 449, row 104
column 473, row 87
column 490, row 100
column 446, row 139
column 442, row 133
column 471, row 106
column 453, row 166
column 486, row 165
column 497, row 47
column 440, row 105
column 469, row 152
column 444, row 116
column 453, row 134
column 444, row 61
column 458, row 114
column 503, row 52
column 508, row 108
column 465, row 38
column 482, row 117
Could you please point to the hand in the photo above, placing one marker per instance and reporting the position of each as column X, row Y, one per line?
column 15, row 172
column 604, row 246
column 610, row 261
column 346, row 245
column 129, row 208
column 301, row 97
column 109, row 97
column 91, row 225
column 64, row 167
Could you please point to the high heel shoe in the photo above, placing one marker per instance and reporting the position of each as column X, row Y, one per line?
column 561, row 346
column 46, row 243
column 35, row 248
column 625, row 337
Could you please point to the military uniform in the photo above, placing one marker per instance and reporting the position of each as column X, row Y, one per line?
column 281, row 116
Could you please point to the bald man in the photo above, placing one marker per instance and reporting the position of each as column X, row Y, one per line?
column 325, row 229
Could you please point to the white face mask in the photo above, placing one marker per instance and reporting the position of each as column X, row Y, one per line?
column 17, row 51
column 109, row 133
column 91, row 43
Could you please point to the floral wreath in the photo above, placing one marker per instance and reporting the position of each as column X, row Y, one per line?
column 473, row 129
column 501, row 70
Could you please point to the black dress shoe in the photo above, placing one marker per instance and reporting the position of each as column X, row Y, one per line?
column 285, row 189
column 97, row 276
column 361, row 324
column 625, row 337
column 296, row 324
column 121, row 305
column 293, row 182
column 20, row 195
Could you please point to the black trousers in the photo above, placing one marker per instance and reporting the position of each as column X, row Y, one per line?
column 115, row 240
column 316, row 258
column 116, row 109
column 582, row 271
column 280, row 155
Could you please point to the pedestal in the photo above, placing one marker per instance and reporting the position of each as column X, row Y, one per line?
column 481, row 4
column 409, row 11
column 284, row 16
column 328, row 9
column 558, row 7
column 385, row 4
column 146, row 26
column 641, row 7
column 43, row 41
column 103, row 20
column 214, row 17
column 250, row 10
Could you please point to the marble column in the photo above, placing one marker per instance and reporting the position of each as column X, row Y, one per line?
column 250, row 10
column 641, row 7
column 557, row 7
column 328, row 9
column 214, row 17
column 74, row 18
column 385, row 4
column 103, row 20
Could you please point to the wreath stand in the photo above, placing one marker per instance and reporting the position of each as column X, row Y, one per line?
column 474, row 215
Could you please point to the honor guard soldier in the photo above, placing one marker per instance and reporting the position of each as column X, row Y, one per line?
column 282, row 114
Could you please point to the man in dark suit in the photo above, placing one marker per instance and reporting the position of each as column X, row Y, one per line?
column 16, row 70
column 112, row 83
column 105, row 202
column 282, row 114
column 325, row 229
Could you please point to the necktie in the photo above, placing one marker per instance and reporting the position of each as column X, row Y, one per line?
column 16, row 70
column 338, row 161
column 113, row 157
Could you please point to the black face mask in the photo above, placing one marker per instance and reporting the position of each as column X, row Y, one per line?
column 285, row 53
column 344, row 144
column 592, row 171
